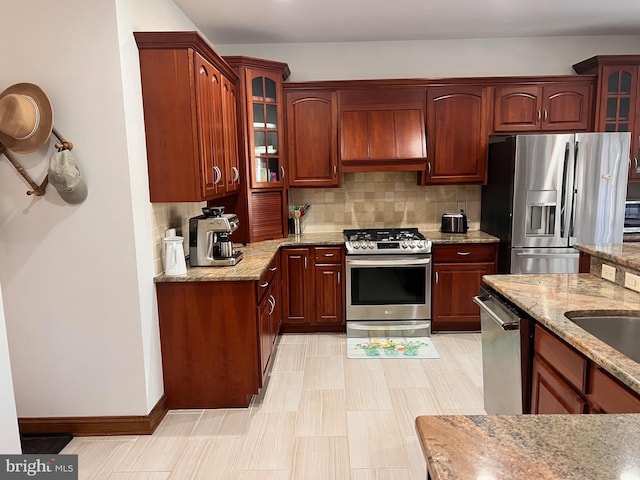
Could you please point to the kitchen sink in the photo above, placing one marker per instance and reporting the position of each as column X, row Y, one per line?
column 619, row 329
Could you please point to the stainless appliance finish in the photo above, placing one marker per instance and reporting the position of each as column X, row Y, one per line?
column 209, row 239
column 454, row 222
column 501, row 355
column 632, row 216
column 551, row 191
column 388, row 284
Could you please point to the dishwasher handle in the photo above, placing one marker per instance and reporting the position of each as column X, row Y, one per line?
column 479, row 300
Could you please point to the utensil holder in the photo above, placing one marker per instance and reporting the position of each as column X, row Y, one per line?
column 297, row 227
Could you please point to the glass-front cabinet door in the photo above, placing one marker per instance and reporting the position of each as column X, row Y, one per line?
column 619, row 106
column 265, row 122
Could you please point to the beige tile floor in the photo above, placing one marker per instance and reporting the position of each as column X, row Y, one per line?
column 322, row 416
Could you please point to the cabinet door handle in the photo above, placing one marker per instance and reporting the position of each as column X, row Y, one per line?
column 338, row 278
column 272, row 302
column 539, row 115
column 218, row 174
column 635, row 162
column 335, row 170
column 282, row 172
column 428, row 168
column 305, row 262
column 273, row 269
column 546, row 115
column 236, row 174
column 264, row 285
column 437, row 278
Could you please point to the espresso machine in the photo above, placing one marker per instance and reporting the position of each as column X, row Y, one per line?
column 209, row 242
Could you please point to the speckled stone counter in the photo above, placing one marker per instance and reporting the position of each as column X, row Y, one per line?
column 547, row 297
column 256, row 256
column 526, row 447
column 472, row 236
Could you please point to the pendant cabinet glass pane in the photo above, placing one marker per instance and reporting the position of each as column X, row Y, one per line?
column 270, row 89
column 258, row 115
column 257, row 88
column 272, row 116
column 612, row 84
column 612, row 108
column 625, row 83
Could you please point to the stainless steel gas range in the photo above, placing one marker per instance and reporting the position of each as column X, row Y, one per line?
column 388, row 287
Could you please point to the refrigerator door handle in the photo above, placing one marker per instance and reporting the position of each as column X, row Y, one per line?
column 563, row 198
column 572, row 219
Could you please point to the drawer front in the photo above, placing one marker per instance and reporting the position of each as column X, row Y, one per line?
column 328, row 254
column 465, row 252
column 610, row 395
column 565, row 360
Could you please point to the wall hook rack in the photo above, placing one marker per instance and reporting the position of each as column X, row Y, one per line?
column 38, row 190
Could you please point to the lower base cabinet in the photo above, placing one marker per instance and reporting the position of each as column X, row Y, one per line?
column 565, row 381
column 457, row 276
column 312, row 289
column 217, row 339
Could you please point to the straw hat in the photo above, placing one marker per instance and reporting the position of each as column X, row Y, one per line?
column 26, row 117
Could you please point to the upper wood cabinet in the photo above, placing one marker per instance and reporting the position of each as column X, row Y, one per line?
column 190, row 119
column 457, row 135
column 382, row 128
column 547, row 107
column 312, row 138
column 618, row 100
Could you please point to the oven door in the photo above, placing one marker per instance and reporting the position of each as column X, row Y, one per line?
column 388, row 287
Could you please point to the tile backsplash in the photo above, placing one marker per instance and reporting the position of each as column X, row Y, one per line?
column 367, row 200
column 384, row 199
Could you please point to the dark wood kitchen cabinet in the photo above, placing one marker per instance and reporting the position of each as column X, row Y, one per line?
column 457, row 276
column 565, row 381
column 312, row 289
column 618, row 99
column 548, row 107
column 458, row 126
column 261, row 203
column 382, row 128
column 312, row 138
column 190, row 118
column 218, row 338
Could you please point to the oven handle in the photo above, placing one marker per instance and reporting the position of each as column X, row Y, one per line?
column 388, row 263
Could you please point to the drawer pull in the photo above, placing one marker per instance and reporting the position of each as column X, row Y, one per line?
column 264, row 285
column 273, row 269
column 464, row 254
column 328, row 255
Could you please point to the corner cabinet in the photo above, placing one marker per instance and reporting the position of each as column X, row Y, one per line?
column 457, row 135
column 382, row 128
column 618, row 105
column 188, row 95
column 551, row 107
column 312, row 138
column 263, row 199
column 457, row 276
column 313, row 289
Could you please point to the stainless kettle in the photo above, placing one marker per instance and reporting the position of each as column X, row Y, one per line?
column 454, row 222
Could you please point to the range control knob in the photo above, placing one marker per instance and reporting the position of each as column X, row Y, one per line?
column 370, row 245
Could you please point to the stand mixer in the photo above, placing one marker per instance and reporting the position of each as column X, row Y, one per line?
column 209, row 242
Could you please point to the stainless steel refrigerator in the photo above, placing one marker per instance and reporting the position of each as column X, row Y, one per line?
column 547, row 192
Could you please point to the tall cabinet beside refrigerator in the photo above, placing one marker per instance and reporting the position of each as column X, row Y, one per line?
column 546, row 192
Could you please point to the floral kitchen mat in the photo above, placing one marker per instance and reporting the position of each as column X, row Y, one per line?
column 396, row 347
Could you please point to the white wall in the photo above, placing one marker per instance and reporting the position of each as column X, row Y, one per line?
column 436, row 58
column 77, row 280
column 9, row 436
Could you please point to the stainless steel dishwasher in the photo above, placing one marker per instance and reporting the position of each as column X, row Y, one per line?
column 504, row 364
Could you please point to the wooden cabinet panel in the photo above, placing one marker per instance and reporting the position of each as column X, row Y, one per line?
column 455, row 285
column 382, row 129
column 566, row 107
column 551, row 394
column 329, row 297
column 266, row 215
column 312, row 289
column 209, row 338
column 230, row 113
column 457, row 276
column 552, row 107
column 189, row 132
column 312, row 138
column 570, row 364
column 295, row 281
column 607, row 395
column 457, row 134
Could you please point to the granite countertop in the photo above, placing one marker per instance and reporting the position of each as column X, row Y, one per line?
column 524, row 447
column 547, row 297
column 257, row 256
column 625, row 254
